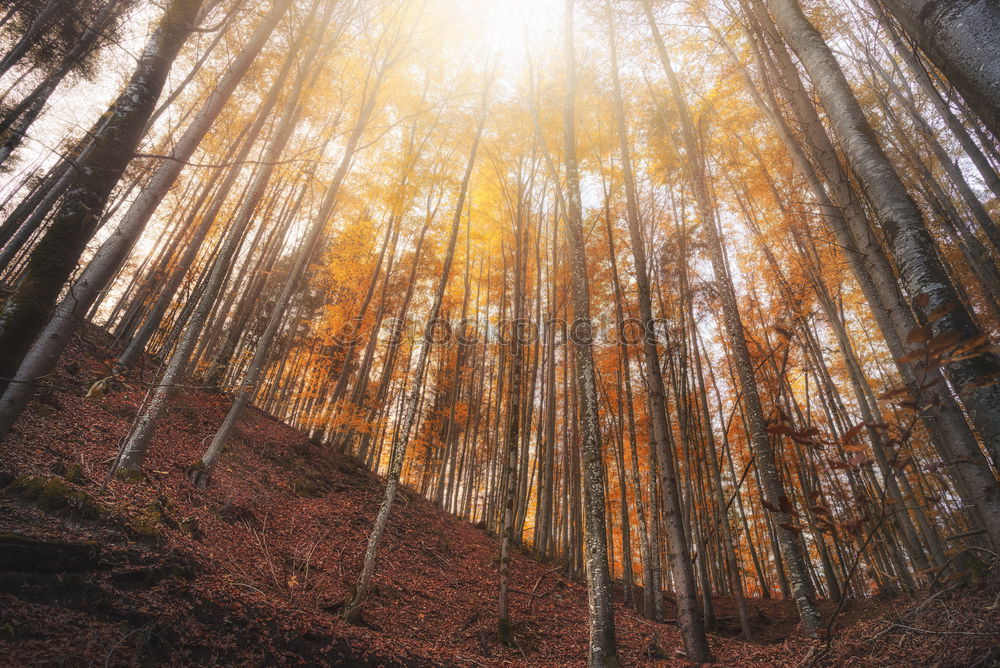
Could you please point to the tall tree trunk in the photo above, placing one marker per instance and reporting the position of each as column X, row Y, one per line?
column 603, row 651
column 94, row 279
column 310, row 246
column 722, row 508
column 689, row 620
column 927, row 284
column 95, row 174
column 946, row 423
column 767, row 467
column 513, row 418
column 39, row 24
column 29, row 108
column 135, row 448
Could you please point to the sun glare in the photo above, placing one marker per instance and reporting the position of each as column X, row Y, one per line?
column 512, row 29
column 499, row 332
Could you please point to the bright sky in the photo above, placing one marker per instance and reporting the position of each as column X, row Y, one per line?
column 510, row 25
column 75, row 106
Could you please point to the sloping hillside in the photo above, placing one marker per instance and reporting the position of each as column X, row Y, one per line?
column 250, row 571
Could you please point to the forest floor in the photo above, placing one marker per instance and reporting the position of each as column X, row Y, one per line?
column 249, row 572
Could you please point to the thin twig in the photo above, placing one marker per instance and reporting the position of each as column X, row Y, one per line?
column 943, row 633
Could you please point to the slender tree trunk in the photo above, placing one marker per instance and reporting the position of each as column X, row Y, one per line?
column 689, row 620
column 353, row 606
column 29, row 108
column 202, row 473
column 134, row 451
column 946, row 424
column 58, row 332
column 513, row 418
column 722, row 508
column 40, row 23
column 603, row 651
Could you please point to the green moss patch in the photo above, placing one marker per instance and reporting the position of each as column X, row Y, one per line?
column 54, row 494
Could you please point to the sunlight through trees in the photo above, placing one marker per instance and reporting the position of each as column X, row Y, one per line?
column 698, row 298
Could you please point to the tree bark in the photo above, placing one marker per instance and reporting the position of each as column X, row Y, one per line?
column 689, row 620
column 603, row 651
column 93, row 177
column 962, row 38
column 927, row 284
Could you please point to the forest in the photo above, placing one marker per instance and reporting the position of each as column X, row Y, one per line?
column 500, row 333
